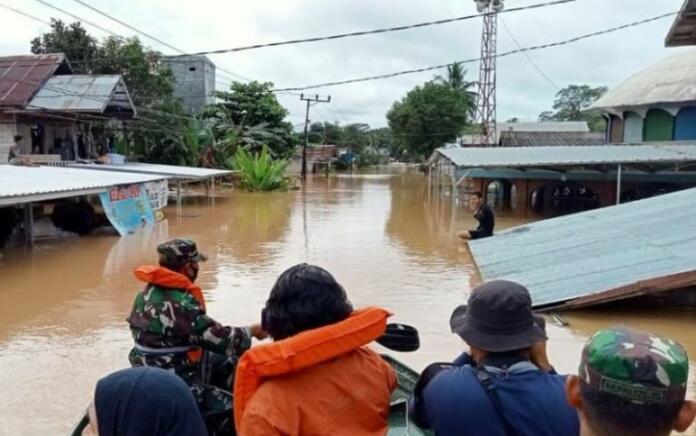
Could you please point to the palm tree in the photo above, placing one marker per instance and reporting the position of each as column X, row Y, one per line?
column 455, row 80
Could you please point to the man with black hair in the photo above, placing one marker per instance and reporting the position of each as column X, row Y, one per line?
column 483, row 214
column 631, row 383
column 505, row 386
column 316, row 378
column 14, row 156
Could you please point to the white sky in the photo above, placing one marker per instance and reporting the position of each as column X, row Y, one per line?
column 522, row 91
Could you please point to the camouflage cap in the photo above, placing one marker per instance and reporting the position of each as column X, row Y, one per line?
column 636, row 366
column 179, row 251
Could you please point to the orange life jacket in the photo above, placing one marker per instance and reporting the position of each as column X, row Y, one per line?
column 304, row 350
column 168, row 279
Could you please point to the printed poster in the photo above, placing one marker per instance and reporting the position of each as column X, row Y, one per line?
column 158, row 194
column 128, row 208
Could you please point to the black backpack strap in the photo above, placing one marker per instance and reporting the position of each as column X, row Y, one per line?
column 484, row 378
column 428, row 374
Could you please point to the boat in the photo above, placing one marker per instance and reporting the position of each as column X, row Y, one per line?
column 399, row 422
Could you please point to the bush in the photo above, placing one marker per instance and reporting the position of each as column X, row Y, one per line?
column 260, row 172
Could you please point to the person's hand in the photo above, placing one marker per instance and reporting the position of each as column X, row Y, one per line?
column 257, row 332
column 539, row 357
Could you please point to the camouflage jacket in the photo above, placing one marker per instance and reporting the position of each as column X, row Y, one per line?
column 173, row 318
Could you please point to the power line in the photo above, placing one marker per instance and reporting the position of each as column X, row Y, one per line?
column 17, row 11
column 376, row 31
column 529, row 58
column 468, row 61
column 103, row 29
column 147, row 35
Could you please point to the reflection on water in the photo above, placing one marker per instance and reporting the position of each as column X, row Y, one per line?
column 63, row 306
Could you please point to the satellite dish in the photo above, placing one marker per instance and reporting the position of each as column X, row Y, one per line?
column 498, row 5
column 482, row 5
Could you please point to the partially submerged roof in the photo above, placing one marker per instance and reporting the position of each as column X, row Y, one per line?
column 28, row 184
column 593, row 257
column 171, row 171
column 683, row 31
column 564, row 156
column 105, row 94
column 546, row 139
column 670, row 81
column 21, row 77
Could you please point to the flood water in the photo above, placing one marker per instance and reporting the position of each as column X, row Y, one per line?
column 63, row 304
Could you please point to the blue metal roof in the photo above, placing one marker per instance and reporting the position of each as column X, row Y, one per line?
column 601, row 255
column 511, row 157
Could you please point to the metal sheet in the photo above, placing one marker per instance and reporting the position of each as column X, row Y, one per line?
column 671, row 80
column 78, row 93
column 26, row 184
column 634, row 248
column 507, row 157
column 683, row 31
column 172, row 171
column 22, row 76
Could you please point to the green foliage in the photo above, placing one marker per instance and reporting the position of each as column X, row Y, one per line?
column 259, row 171
column 570, row 105
column 248, row 116
column 428, row 117
column 72, row 40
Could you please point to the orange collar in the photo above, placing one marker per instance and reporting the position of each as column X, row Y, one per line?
column 304, row 350
column 166, row 278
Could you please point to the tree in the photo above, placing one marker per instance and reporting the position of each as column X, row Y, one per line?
column 427, row 118
column 570, row 105
column 455, row 80
column 73, row 40
column 252, row 108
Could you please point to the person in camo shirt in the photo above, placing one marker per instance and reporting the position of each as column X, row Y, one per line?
column 631, row 383
column 171, row 330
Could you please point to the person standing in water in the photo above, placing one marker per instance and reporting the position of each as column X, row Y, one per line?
column 483, row 214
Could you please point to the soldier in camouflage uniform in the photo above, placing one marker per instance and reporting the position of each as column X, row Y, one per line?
column 631, row 383
column 172, row 331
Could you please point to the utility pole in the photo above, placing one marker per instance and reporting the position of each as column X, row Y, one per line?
column 309, row 100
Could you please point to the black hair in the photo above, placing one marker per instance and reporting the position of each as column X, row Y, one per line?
column 303, row 298
column 610, row 415
column 18, row 138
column 477, row 194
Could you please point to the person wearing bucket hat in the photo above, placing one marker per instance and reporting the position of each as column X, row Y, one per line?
column 505, row 384
column 631, row 383
column 172, row 330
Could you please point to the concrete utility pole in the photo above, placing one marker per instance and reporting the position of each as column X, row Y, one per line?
column 309, row 100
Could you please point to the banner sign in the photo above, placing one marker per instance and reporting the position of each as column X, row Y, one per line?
column 158, row 194
column 128, row 208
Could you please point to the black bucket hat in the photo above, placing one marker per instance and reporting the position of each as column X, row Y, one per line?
column 498, row 318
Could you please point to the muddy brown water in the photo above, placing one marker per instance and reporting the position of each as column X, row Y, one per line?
column 63, row 304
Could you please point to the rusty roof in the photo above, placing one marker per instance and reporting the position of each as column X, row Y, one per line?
column 22, row 76
column 545, row 139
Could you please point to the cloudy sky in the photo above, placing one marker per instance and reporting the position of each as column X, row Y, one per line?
column 522, row 91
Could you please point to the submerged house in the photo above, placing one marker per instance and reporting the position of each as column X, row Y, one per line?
column 541, row 134
column 54, row 110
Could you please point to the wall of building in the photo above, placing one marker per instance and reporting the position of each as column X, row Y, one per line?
column 194, row 80
column 7, row 132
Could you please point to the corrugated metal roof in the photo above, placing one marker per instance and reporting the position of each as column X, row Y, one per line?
column 683, row 31
column 507, row 157
column 671, row 80
column 83, row 93
column 22, row 76
column 546, row 139
column 176, row 172
column 605, row 254
column 26, row 184
column 545, row 126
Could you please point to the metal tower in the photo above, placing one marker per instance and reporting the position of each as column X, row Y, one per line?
column 485, row 103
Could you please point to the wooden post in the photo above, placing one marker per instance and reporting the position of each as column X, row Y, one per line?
column 29, row 224
column 74, row 141
column 178, row 197
column 618, row 184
